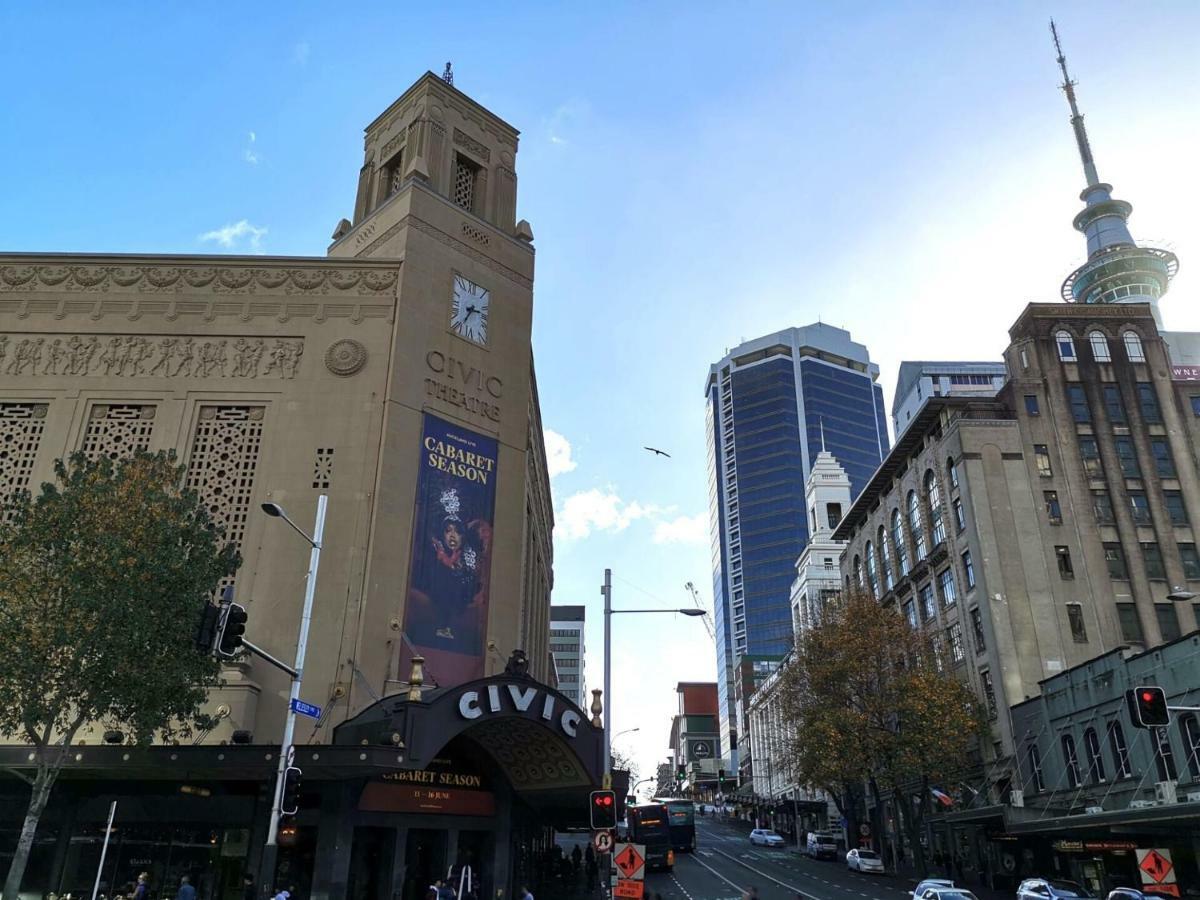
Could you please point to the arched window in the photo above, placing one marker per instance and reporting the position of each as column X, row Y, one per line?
column 872, row 579
column 858, row 576
column 1120, row 751
column 952, row 472
column 1133, row 347
column 1035, row 768
column 1066, row 346
column 1099, row 343
column 1189, row 730
column 1071, row 760
column 934, row 495
column 1095, row 761
column 914, row 525
column 1164, row 756
column 900, row 543
column 885, row 560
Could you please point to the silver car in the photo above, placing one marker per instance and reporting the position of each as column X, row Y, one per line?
column 766, row 838
column 864, row 861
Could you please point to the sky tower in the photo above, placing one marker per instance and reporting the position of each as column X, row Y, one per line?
column 1117, row 270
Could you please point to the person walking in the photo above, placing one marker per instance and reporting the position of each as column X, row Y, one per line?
column 523, row 893
column 186, row 891
column 142, row 891
column 247, row 887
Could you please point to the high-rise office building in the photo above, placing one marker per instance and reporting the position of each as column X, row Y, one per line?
column 772, row 403
column 566, row 646
column 920, row 380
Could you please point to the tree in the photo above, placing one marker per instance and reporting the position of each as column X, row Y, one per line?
column 102, row 578
column 869, row 701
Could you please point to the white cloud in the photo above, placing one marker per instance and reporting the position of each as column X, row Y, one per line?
column 300, row 53
column 250, row 154
column 230, row 235
column 566, row 118
column 683, row 530
column 597, row 510
column 558, row 453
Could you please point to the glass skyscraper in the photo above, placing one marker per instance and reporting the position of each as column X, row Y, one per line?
column 772, row 404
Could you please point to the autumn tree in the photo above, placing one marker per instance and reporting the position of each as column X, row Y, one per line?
column 870, row 701
column 102, row 578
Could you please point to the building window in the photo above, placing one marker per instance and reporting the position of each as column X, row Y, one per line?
column 1099, row 342
column 989, row 691
column 872, row 578
column 885, row 559
column 1131, row 625
column 910, row 613
column 952, row 472
column 1164, row 756
column 954, row 637
column 946, row 587
column 960, row 518
column 1053, row 509
column 1078, row 402
column 1120, row 752
column 1071, row 761
column 926, row 597
column 1154, row 562
column 1066, row 346
column 1035, row 769
column 1095, row 760
column 1102, row 507
column 1173, row 501
column 1148, row 402
column 466, row 178
column 1127, row 457
column 968, row 569
column 1063, row 555
column 900, row 542
column 1139, row 507
column 1114, row 557
column 1090, row 453
column 1191, row 561
column 1113, row 405
column 914, row 525
column 1075, row 619
column 1133, row 347
column 833, row 514
column 977, row 630
column 858, row 574
column 1024, row 359
column 1168, row 621
column 1164, row 463
column 1190, row 732
column 934, row 495
column 1041, row 454
column 1031, row 405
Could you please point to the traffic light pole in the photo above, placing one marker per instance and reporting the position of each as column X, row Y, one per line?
column 271, row 849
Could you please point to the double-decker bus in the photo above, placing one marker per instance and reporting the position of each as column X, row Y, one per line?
column 648, row 824
column 681, row 819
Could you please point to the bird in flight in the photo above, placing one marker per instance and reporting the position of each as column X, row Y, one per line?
column 658, row 452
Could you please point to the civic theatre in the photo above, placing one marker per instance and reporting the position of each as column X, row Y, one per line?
column 394, row 375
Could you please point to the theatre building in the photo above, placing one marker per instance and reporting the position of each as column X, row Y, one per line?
column 394, row 376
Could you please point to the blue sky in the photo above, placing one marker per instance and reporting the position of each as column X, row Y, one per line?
column 695, row 174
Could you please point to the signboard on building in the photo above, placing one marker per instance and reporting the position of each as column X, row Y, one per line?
column 380, row 796
column 1185, row 373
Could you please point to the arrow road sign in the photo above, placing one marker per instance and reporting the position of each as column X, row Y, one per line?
column 631, row 860
column 306, row 709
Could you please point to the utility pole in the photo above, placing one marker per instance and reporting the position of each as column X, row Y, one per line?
column 606, row 591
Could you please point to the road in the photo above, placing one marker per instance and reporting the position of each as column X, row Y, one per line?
column 725, row 864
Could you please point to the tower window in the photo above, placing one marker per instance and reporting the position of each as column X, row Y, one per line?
column 1133, row 347
column 1113, row 404
column 1075, row 618
column 1127, row 457
column 1079, row 405
column 1148, row 400
column 1031, row 405
column 834, row 513
column 1063, row 555
column 1041, row 455
column 466, row 177
column 394, row 173
column 1099, row 347
column 1114, row 558
column 1066, row 346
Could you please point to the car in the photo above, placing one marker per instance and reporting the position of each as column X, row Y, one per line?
column 920, row 889
column 947, row 893
column 1052, row 889
column 821, row 845
column 864, row 861
column 766, row 838
column 1128, row 894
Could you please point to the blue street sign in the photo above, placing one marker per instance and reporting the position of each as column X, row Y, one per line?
column 306, row 709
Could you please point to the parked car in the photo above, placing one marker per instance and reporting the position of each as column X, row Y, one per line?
column 1052, row 889
column 1128, row 894
column 864, row 861
column 947, row 893
column 766, row 838
column 920, row 889
column 821, row 845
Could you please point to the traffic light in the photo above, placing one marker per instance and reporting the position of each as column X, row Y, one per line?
column 205, row 635
column 720, row 776
column 233, row 626
column 289, row 802
column 1148, row 706
column 604, row 809
column 681, row 772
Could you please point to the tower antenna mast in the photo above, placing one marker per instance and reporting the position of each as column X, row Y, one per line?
column 1081, row 138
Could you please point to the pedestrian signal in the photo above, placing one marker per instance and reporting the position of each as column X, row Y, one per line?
column 233, row 626
column 289, row 802
column 604, row 809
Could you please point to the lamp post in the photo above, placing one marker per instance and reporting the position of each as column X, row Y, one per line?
column 609, row 612
column 271, row 850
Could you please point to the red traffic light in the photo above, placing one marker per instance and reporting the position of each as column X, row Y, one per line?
column 1148, row 707
column 604, row 800
column 1147, row 696
column 604, row 809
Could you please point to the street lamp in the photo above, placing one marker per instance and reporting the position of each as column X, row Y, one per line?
column 609, row 612
column 1180, row 595
column 271, row 851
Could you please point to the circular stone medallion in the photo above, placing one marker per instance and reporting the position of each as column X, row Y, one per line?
column 345, row 357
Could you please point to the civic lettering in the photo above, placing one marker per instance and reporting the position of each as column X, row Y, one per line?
column 568, row 722
column 494, row 698
column 522, row 699
column 468, row 705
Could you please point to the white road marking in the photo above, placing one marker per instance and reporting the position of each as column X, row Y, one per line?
column 790, row 887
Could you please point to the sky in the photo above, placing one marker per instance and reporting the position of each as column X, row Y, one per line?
column 695, row 175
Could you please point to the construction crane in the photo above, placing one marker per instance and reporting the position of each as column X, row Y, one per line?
column 708, row 622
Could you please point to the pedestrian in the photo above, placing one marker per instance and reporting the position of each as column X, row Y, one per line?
column 576, row 858
column 444, row 891
column 286, row 893
column 248, row 887
column 524, row 893
column 142, row 891
column 590, row 854
column 593, row 871
column 186, row 891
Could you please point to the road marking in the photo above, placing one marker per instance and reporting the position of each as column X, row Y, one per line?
column 733, row 885
column 790, row 887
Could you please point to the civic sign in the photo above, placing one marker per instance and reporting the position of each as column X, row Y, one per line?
column 1157, row 869
column 306, row 709
column 630, row 860
column 602, row 841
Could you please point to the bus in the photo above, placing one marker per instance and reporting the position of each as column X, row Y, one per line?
column 681, row 819
column 648, row 824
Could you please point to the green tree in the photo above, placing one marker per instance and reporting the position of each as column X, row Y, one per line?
column 102, row 578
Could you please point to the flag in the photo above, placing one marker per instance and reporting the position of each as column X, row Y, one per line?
column 942, row 797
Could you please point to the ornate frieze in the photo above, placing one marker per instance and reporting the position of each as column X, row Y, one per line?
column 149, row 356
column 159, row 278
column 468, row 143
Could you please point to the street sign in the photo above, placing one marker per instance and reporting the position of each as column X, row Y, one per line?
column 1158, row 872
column 602, row 841
column 631, row 861
column 306, row 709
column 628, row 890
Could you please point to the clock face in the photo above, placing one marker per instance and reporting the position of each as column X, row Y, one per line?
column 469, row 310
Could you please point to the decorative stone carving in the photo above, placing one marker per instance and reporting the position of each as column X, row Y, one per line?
column 464, row 140
column 182, row 278
column 345, row 357
column 149, row 356
column 21, row 428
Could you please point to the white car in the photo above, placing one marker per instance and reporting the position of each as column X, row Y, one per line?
column 766, row 838
column 919, row 891
column 864, row 861
column 947, row 893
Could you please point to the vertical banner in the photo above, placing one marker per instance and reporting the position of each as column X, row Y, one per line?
column 445, row 618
